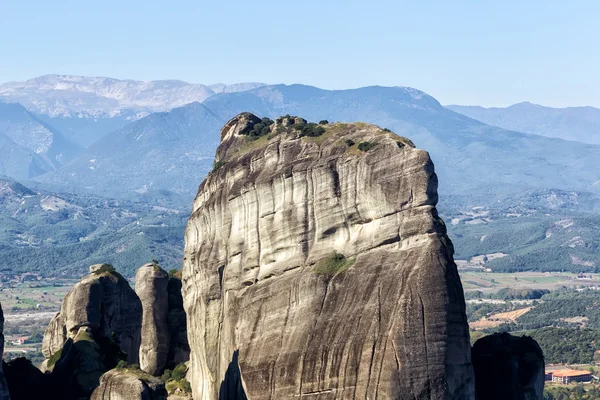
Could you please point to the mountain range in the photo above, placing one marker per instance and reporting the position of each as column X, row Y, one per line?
column 580, row 124
column 528, row 183
column 86, row 108
column 164, row 151
column 173, row 150
column 29, row 146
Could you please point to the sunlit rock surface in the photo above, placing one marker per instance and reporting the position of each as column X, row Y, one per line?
column 317, row 267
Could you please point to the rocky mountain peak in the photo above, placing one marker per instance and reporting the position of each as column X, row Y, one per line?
column 316, row 249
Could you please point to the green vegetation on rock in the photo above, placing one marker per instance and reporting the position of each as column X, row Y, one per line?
column 366, row 146
column 218, row 164
column 256, row 130
column 54, row 358
column 332, row 265
column 175, row 379
column 309, row 129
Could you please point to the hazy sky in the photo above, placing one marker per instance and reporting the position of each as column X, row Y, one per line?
column 492, row 53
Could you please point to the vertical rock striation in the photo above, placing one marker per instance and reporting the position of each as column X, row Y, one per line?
column 318, row 268
column 151, row 283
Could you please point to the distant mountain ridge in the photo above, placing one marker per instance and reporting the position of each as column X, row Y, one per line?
column 581, row 124
column 79, row 96
column 29, row 146
column 162, row 151
column 173, row 150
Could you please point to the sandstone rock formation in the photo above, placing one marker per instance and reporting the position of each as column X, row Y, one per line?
column 317, row 267
column 104, row 303
column 4, row 395
column 508, row 368
column 127, row 384
column 151, row 286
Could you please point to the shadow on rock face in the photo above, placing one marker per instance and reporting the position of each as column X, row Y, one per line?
column 508, row 368
column 75, row 374
column 26, row 382
column 231, row 387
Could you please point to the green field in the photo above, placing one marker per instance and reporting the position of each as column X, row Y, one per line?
column 491, row 282
column 31, row 296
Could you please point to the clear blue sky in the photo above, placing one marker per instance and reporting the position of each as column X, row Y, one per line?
column 463, row 52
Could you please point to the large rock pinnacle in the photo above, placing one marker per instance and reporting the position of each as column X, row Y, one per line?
column 104, row 302
column 151, row 284
column 316, row 266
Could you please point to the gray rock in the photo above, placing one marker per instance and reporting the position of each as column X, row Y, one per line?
column 128, row 384
column 314, row 268
column 104, row 302
column 151, row 284
column 508, row 368
column 54, row 338
column 96, row 267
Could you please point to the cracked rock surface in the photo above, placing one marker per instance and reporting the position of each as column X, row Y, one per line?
column 318, row 268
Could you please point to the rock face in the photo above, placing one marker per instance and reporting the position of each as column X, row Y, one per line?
column 508, row 368
column 104, row 302
column 318, row 267
column 124, row 384
column 151, row 286
column 4, row 395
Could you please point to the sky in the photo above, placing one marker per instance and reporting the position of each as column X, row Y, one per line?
column 490, row 53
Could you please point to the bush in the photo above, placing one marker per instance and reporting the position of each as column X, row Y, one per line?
column 323, row 122
column 400, row 144
column 386, row 130
column 35, row 338
column 166, row 375
column 179, row 372
column 310, row 129
column 258, row 129
column 332, row 265
column 366, row 146
column 181, row 384
column 122, row 364
column 349, row 142
column 217, row 165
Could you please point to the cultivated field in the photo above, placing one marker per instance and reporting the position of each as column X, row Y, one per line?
column 498, row 319
column 492, row 282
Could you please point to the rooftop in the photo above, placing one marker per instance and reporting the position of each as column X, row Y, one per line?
column 570, row 373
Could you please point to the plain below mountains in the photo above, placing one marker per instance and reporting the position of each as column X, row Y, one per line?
column 581, row 124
